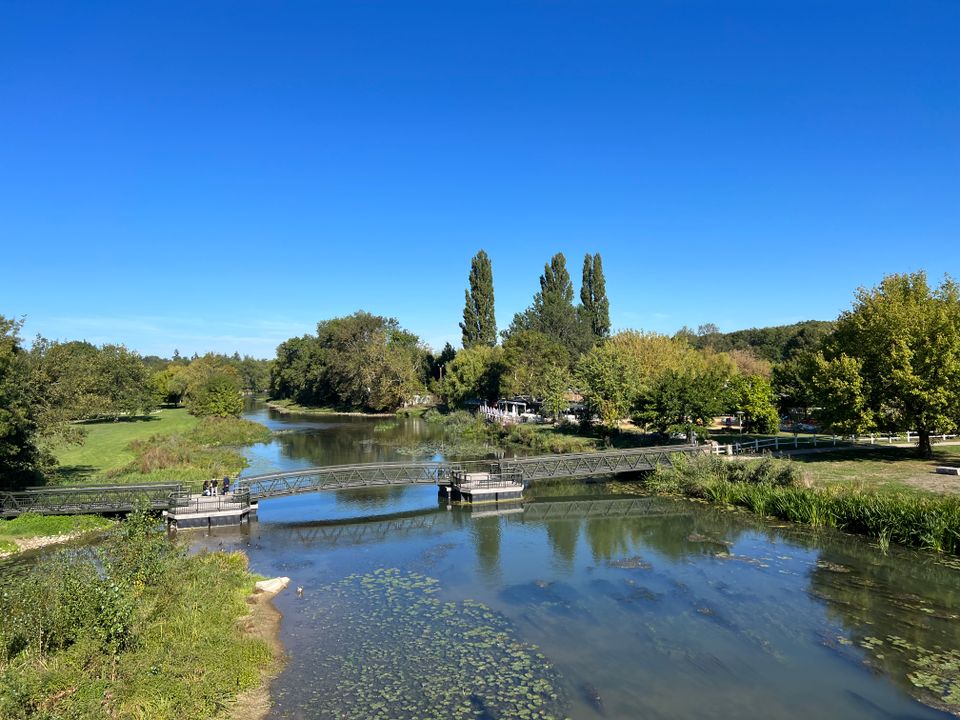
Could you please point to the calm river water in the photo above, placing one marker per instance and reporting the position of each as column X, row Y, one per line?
column 582, row 605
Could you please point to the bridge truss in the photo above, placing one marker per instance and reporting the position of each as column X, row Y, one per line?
column 94, row 499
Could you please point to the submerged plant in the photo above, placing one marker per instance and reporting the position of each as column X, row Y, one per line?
column 392, row 649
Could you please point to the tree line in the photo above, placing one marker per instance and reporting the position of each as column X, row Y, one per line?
column 49, row 390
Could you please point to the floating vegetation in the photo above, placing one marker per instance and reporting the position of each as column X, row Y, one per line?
column 935, row 673
column 388, row 647
column 386, row 426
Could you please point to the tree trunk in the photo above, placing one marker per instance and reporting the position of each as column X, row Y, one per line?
column 926, row 450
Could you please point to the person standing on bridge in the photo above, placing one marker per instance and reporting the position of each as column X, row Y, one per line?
column 213, row 487
column 226, row 484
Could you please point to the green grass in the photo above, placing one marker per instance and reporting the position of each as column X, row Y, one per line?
column 882, row 468
column 145, row 632
column 171, row 446
column 31, row 525
column 774, row 488
column 107, row 444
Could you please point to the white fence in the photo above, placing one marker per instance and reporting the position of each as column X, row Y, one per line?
column 778, row 444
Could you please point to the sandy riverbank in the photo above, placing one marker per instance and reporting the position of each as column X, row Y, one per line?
column 263, row 622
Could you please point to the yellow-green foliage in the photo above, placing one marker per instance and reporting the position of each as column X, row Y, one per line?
column 154, row 634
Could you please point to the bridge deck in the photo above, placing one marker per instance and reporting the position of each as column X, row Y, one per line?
column 164, row 496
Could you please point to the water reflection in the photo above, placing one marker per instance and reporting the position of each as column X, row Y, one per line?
column 644, row 607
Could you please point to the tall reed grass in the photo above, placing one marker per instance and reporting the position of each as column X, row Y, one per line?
column 774, row 488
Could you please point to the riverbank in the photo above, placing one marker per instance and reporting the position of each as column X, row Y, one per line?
column 775, row 488
column 135, row 627
column 288, row 407
column 170, row 445
column 30, row 531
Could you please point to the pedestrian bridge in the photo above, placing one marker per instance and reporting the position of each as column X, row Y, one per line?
column 120, row 499
column 529, row 469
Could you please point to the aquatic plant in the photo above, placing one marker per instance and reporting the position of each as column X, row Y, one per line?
column 391, row 648
column 772, row 487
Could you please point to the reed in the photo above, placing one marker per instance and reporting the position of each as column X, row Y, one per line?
column 773, row 488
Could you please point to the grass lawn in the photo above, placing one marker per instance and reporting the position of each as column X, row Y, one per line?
column 106, row 445
column 883, row 469
column 170, row 446
column 30, row 525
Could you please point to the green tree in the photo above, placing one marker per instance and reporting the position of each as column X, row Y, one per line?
column 593, row 297
column 122, row 382
column 22, row 460
column 556, row 383
column 609, row 384
column 360, row 361
column 473, row 375
column 753, row 396
column 479, row 324
column 553, row 312
column 218, row 394
column 681, row 400
column 527, row 356
column 903, row 339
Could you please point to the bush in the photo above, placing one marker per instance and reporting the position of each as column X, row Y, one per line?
column 114, row 631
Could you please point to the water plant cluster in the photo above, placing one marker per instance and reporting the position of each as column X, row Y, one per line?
column 391, row 648
column 774, row 488
column 133, row 627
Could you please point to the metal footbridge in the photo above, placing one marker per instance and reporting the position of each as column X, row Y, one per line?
column 121, row 499
column 529, row 469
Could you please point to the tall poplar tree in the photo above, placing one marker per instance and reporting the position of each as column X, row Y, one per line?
column 593, row 296
column 479, row 324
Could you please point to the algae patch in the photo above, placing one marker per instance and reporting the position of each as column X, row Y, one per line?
column 388, row 647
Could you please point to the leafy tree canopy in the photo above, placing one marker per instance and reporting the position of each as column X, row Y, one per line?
column 894, row 359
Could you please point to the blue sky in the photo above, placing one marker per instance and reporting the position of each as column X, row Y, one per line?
column 215, row 174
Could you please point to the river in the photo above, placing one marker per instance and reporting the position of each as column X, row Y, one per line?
column 580, row 604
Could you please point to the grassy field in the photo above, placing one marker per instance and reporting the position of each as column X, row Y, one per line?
column 171, row 445
column 107, row 443
column 30, row 525
column 889, row 468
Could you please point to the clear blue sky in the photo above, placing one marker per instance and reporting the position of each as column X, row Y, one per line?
column 221, row 174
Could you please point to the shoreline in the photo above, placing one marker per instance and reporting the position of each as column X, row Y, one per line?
column 263, row 623
column 42, row 541
column 303, row 410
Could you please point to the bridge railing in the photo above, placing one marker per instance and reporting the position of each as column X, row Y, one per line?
column 185, row 502
column 93, row 499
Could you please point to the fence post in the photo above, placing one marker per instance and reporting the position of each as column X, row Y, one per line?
column 908, row 437
column 871, row 438
column 756, row 446
column 776, row 443
column 834, row 440
column 795, row 436
column 814, row 439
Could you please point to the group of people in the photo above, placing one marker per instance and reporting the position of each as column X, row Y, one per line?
column 213, row 487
